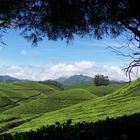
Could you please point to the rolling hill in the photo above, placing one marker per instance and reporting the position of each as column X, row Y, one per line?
column 124, row 101
column 54, row 101
column 96, row 90
column 24, row 101
column 13, row 94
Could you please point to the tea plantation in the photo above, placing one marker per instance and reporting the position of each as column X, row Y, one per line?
column 32, row 108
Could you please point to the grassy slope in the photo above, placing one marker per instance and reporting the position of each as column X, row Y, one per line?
column 124, row 101
column 54, row 101
column 22, row 95
column 97, row 90
column 28, row 100
column 13, row 93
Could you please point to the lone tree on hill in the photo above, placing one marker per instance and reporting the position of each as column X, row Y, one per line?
column 62, row 19
column 100, row 80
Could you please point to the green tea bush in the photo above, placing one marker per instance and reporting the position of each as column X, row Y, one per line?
column 121, row 128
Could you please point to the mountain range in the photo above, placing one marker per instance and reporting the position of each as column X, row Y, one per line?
column 75, row 79
column 7, row 78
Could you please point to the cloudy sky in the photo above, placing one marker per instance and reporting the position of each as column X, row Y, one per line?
column 53, row 59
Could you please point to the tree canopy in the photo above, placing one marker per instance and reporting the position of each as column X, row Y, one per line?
column 63, row 18
column 101, row 80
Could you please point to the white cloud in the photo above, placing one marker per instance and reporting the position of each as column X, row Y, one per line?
column 53, row 71
column 32, row 52
column 24, row 52
column 101, row 43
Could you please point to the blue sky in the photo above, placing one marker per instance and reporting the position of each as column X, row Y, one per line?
column 20, row 53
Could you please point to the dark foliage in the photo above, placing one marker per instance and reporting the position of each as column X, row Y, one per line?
column 121, row 128
column 100, row 80
column 53, row 83
column 64, row 18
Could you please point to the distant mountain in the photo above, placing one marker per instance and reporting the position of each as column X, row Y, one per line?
column 75, row 79
column 61, row 79
column 6, row 78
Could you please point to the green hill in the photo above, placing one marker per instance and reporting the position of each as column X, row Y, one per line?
column 34, row 98
column 123, row 101
column 24, row 101
column 54, row 101
column 97, row 90
column 11, row 94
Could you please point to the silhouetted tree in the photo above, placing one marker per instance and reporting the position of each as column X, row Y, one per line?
column 64, row 18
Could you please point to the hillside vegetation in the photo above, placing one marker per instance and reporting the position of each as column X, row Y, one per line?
column 121, row 128
column 54, row 101
column 24, row 101
column 12, row 94
column 76, row 103
column 97, row 90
